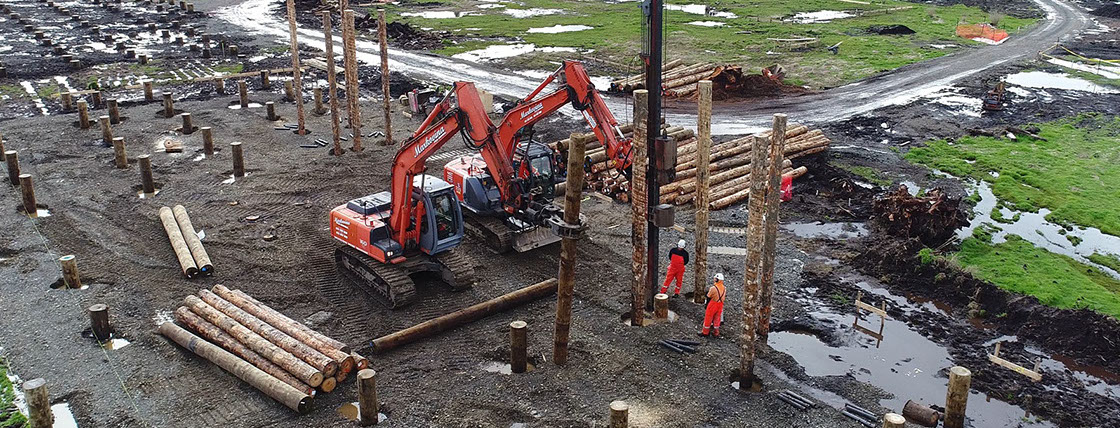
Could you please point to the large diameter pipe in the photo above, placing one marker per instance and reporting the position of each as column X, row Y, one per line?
column 201, row 259
column 463, row 316
column 178, row 243
column 264, row 382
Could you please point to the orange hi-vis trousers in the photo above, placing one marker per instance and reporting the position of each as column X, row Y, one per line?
column 713, row 315
column 676, row 273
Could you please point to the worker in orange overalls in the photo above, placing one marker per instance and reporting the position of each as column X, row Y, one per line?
column 714, row 313
column 678, row 257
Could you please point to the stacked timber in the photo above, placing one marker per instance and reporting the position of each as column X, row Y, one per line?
column 728, row 81
column 192, row 256
column 674, row 75
column 729, row 165
column 287, row 359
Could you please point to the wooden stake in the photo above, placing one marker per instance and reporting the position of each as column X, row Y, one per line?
column 28, row 190
column 238, row 159
column 38, row 403
column 638, row 212
column 207, row 141
column 114, row 112
column 148, row 184
column 106, row 130
column 120, row 159
column 243, row 92
column 70, row 276
column 773, row 200
column 661, row 306
column 568, row 255
column 198, row 252
column 214, row 334
column 266, row 83
column 367, row 397
column 956, row 399
column 188, row 127
column 297, row 81
column 178, row 243
column 270, row 111
column 318, row 95
column 99, row 322
column 264, row 382
column 83, row 114
column 462, row 316
column 382, row 31
column 67, row 101
column 148, row 91
column 168, row 105
column 3, row 155
column 894, row 420
column 703, row 151
column 620, row 414
column 12, row 158
column 518, row 343
column 332, row 84
column 752, row 278
column 351, row 69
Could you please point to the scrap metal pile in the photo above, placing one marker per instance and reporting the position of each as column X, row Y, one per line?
column 729, row 165
column 728, row 81
column 279, row 356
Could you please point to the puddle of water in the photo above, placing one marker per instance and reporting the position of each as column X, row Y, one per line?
column 1095, row 378
column 961, row 105
column 1034, row 228
column 502, row 368
column 1042, row 79
column 559, row 29
column 903, row 363
column 988, row 41
column 506, row 51
column 350, row 412
column 490, row 6
column 529, row 13
column 63, row 417
column 142, row 195
column 438, row 14
column 237, row 106
column 843, row 230
column 819, row 17
column 707, row 23
column 1109, row 71
column 699, row 9
column 115, row 344
column 30, row 89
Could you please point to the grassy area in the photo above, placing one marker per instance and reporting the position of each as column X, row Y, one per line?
column 1073, row 172
column 10, row 417
column 742, row 40
column 1111, row 261
column 229, row 68
column 1056, row 280
column 872, row 175
column 13, row 91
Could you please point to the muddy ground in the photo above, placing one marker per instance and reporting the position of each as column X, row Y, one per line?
column 96, row 214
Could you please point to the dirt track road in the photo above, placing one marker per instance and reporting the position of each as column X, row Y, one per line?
column 1063, row 20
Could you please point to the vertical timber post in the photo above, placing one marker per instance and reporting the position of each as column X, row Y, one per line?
column 351, row 69
column 297, row 78
column 518, row 344
column 653, row 131
column 12, row 158
column 168, row 105
column 99, row 322
column 238, row 159
column 114, row 112
column 27, row 187
column 956, row 398
column 83, row 114
column 38, row 403
column 207, row 140
column 70, row 276
column 120, row 158
column 568, row 249
column 243, row 93
column 188, row 127
column 332, row 84
column 661, row 306
column 620, row 414
column 149, row 95
column 318, row 96
column 367, row 397
column 773, row 200
column 148, row 185
column 752, row 278
column 703, row 154
column 383, row 39
column 894, row 420
column 106, row 130
column 638, row 209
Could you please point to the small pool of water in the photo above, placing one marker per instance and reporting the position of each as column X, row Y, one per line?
column 700, row 9
column 559, row 29
column 843, row 230
column 494, row 52
column 819, row 17
column 529, row 13
column 707, row 23
column 1047, row 80
column 437, row 14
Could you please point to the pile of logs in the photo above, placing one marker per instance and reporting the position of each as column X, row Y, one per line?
column 679, row 81
column 188, row 247
column 283, row 358
column 729, row 165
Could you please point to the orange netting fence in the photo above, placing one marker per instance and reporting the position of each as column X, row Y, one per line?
column 971, row 31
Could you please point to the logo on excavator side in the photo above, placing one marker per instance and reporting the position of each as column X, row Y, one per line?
column 535, row 109
column 428, row 141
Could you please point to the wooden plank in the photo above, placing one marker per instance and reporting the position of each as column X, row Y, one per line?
column 871, row 309
column 1034, row 375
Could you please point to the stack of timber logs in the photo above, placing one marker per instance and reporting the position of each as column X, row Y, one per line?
column 729, row 165
column 286, row 359
column 188, row 247
column 679, row 80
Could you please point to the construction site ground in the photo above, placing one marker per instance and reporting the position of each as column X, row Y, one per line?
column 828, row 251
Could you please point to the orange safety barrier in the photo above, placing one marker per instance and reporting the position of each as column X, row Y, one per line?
column 971, row 31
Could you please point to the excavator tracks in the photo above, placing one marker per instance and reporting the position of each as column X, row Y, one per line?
column 458, row 269
column 491, row 230
column 388, row 283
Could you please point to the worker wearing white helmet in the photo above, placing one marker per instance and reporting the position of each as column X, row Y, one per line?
column 678, row 257
column 713, row 315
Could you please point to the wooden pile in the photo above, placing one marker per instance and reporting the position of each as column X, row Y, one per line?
column 679, row 81
column 193, row 259
column 729, row 165
column 292, row 359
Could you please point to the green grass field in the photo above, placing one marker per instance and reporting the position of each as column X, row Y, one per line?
column 10, row 417
column 616, row 36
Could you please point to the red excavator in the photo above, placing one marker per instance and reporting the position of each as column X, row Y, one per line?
column 507, row 188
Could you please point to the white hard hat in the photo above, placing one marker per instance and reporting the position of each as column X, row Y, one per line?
column 680, row 244
column 719, row 277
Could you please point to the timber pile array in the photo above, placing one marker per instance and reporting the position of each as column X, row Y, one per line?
column 279, row 356
column 192, row 256
column 729, row 165
column 679, row 81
